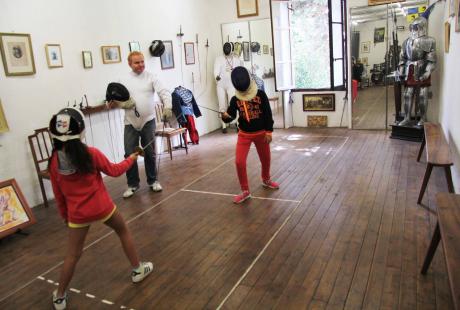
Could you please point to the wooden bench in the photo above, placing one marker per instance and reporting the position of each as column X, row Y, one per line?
column 448, row 230
column 437, row 155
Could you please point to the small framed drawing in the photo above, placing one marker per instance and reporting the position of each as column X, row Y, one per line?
column 3, row 123
column 246, row 54
column 189, row 48
column 87, row 58
column 379, row 35
column 167, row 58
column 111, row 54
column 17, row 54
column 246, row 8
column 265, row 48
column 317, row 120
column 134, row 46
column 318, row 102
column 54, row 55
column 365, row 47
column 15, row 214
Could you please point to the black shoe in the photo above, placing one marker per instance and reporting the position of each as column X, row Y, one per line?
column 224, row 130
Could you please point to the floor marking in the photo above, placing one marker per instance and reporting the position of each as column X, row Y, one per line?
column 225, row 194
column 40, row 278
column 107, row 302
column 74, row 290
column 277, row 232
column 161, row 201
column 90, row 296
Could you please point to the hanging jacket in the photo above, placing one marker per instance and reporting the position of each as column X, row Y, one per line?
column 184, row 103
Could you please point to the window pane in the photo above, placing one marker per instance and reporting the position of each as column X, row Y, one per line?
column 336, row 11
column 338, row 73
column 337, row 40
column 310, row 44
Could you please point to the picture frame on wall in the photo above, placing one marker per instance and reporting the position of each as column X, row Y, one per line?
column 134, row 46
column 54, row 56
column 15, row 213
column 265, row 48
column 318, row 102
column 111, row 54
column 3, row 123
column 17, row 54
column 365, row 47
column 167, row 58
column 246, row 8
column 246, row 54
column 379, row 35
column 87, row 58
column 446, row 36
column 457, row 16
column 189, row 48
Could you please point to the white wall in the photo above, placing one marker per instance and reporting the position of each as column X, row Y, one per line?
column 78, row 25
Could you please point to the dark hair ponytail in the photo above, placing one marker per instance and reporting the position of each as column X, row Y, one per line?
column 77, row 153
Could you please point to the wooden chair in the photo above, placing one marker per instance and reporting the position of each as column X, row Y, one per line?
column 164, row 130
column 41, row 147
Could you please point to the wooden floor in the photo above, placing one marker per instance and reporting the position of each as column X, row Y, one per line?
column 343, row 232
column 369, row 108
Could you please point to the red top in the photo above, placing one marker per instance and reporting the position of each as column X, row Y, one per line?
column 83, row 198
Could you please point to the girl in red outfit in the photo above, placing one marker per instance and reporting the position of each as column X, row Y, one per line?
column 255, row 124
column 81, row 197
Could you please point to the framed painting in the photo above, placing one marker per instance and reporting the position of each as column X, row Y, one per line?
column 246, row 8
column 379, row 35
column 265, row 48
column 111, row 54
column 15, row 214
column 317, row 120
column 54, row 56
column 167, row 58
column 378, row 2
column 246, row 54
column 189, row 48
column 318, row 102
column 457, row 16
column 3, row 123
column 365, row 47
column 17, row 54
column 134, row 46
column 87, row 58
column 446, row 36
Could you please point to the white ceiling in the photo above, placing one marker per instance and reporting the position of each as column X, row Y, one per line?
column 371, row 13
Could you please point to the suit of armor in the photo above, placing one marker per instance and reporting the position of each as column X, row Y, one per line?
column 417, row 61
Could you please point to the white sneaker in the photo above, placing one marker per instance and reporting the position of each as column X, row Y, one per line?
column 59, row 303
column 156, row 186
column 130, row 191
column 139, row 274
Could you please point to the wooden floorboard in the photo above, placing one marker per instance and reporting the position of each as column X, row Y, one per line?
column 343, row 231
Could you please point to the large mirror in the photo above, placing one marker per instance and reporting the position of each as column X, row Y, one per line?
column 255, row 39
column 377, row 33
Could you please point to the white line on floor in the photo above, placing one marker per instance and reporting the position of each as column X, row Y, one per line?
column 225, row 194
column 277, row 232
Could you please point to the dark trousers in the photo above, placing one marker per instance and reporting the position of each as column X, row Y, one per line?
column 132, row 137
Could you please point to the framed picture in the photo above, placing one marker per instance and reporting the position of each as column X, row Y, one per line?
column 365, row 47
column 3, row 123
column 377, row 2
column 134, row 46
column 246, row 54
column 317, row 120
column 457, row 16
column 247, row 8
column 54, row 55
column 167, row 59
column 379, row 35
column 111, row 54
column 17, row 54
column 319, row 102
column 189, row 48
column 446, row 36
column 265, row 49
column 15, row 214
column 271, row 51
column 87, row 58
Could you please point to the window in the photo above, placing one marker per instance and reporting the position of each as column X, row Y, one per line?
column 310, row 44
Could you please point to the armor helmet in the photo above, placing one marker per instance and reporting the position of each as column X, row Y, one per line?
column 418, row 27
column 67, row 125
